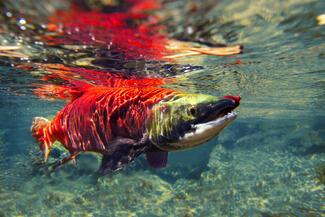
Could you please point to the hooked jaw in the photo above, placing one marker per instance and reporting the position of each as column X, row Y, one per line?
column 217, row 110
column 216, row 117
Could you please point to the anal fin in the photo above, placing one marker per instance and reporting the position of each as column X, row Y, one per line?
column 65, row 160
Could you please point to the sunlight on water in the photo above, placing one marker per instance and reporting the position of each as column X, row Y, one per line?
column 269, row 162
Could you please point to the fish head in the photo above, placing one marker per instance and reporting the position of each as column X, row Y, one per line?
column 186, row 120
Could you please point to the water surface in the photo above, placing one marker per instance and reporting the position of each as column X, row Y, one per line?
column 269, row 162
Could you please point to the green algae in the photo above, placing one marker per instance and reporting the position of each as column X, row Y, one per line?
column 320, row 171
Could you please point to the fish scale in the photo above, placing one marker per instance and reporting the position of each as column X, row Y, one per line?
column 83, row 105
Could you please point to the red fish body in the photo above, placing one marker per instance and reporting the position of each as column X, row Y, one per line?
column 101, row 114
column 123, row 123
column 102, row 120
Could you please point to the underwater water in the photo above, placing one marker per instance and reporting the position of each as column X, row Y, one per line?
column 269, row 162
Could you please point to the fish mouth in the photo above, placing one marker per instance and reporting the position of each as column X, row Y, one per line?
column 222, row 119
column 216, row 118
column 221, row 111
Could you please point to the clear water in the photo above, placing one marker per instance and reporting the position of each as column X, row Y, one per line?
column 269, row 162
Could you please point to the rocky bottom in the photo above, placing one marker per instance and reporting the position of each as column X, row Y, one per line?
column 253, row 170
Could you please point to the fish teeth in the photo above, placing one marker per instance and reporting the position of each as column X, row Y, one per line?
column 230, row 114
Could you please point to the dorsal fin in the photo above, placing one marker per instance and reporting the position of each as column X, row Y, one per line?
column 53, row 91
column 75, row 81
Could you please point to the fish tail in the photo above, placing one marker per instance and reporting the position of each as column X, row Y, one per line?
column 40, row 131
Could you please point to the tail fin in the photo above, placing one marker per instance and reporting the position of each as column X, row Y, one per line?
column 40, row 132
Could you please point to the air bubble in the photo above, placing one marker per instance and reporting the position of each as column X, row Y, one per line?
column 22, row 21
column 38, row 43
column 8, row 14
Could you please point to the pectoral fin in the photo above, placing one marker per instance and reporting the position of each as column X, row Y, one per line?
column 122, row 152
column 157, row 159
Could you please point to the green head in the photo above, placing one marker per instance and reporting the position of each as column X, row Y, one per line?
column 186, row 120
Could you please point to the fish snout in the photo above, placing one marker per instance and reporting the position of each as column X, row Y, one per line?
column 236, row 99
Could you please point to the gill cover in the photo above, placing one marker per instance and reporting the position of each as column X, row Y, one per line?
column 172, row 117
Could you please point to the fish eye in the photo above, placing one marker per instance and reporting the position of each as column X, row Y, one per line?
column 193, row 111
